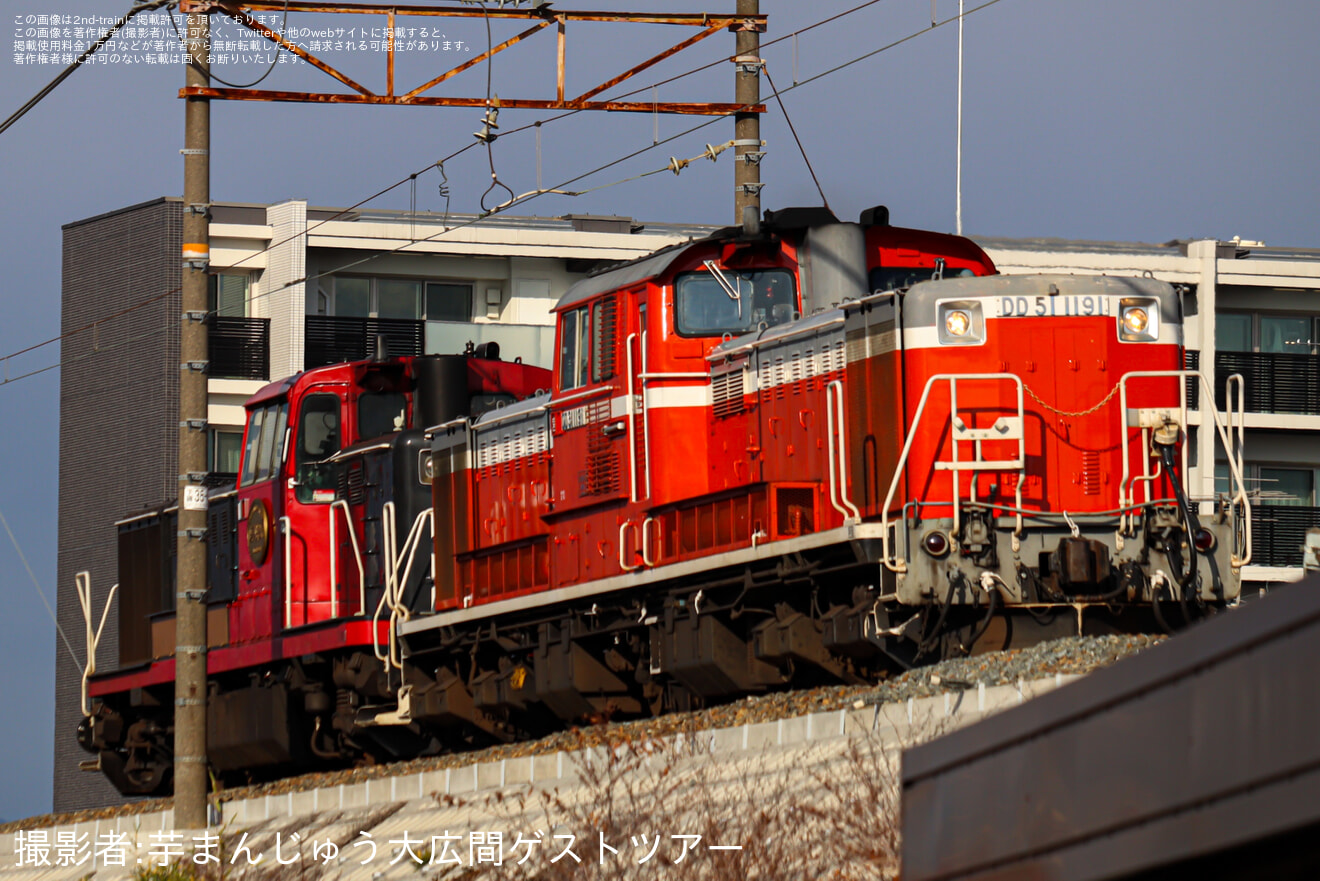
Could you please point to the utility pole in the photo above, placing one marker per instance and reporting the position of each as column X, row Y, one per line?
column 958, row 198
column 747, row 125
column 190, row 774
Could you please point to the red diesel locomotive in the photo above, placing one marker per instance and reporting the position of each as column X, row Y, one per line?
column 796, row 452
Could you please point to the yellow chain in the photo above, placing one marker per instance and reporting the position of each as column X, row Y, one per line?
column 1074, row 415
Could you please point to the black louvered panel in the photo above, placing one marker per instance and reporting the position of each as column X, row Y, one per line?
column 1192, row 361
column 330, row 339
column 351, row 481
column 1278, row 533
column 222, row 548
column 239, row 347
column 1275, row 383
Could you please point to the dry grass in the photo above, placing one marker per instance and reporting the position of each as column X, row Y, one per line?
column 826, row 811
column 810, row 814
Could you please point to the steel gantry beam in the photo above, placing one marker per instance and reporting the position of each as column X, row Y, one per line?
column 542, row 17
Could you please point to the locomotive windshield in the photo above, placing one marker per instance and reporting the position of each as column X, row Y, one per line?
column 704, row 307
column 265, row 443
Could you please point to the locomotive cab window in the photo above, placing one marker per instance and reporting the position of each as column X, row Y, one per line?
column 574, row 348
column 382, row 413
column 264, row 451
column 735, row 302
column 318, row 439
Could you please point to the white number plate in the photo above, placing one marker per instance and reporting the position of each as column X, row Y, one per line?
column 1056, row 306
column 194, row 498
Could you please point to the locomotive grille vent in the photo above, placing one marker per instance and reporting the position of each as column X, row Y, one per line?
column 601, row 476
column 1090, row 472
column 606, row 331
column 799, row 365
column 353, row 482
column 727, row 392
column 771, row 379
column 496, row 448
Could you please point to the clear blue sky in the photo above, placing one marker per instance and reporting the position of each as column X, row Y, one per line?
column 1101, row 119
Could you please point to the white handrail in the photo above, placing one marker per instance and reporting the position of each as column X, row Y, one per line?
column 1234, row 465
column 409, row 553
column 631, row 412
column 387, row 541
column 392, row 594
column 647, row 559
column 894, row 564
column 286, row 526
column 838, row 474
column 623, row 564
column 82, row 581
column 357, row 557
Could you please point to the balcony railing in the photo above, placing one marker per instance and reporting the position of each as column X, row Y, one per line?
column 1278, row 533
column 1274, row 382
column 239, row 347
column 330, row 339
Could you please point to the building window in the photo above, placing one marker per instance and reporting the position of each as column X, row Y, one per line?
column 1279, row 334
column 1287, row 486
column 1273, row 485
column 404, row 298
column 227, row 295
column 446, row 301
column 225, row 451
column 398, row 298
column 574, row 348
column 353, row 297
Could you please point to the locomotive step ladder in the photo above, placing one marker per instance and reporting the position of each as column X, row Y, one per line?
column 1009, row 427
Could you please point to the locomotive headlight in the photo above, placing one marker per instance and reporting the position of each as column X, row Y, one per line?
column 425, row 467
column 1138, row 320
column 1135, row 319
column 957, row 323
column 960, row 322
column 258, row 532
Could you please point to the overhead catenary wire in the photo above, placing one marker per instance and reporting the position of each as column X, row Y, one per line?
column 490, row 122
column 41, row 593
column 90, row 51
column 560, row 189
column 801, row 149
column 533, row 125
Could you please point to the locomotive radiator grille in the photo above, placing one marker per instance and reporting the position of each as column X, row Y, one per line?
column 727, row 393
